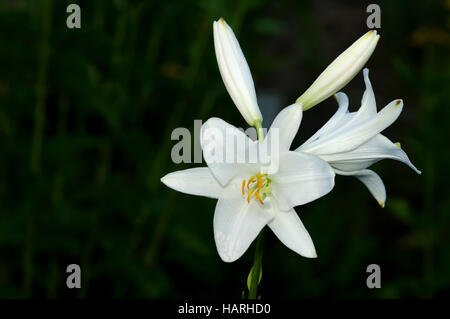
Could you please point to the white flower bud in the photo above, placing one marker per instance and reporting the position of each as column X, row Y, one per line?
column 235, row 72
column 340, row 71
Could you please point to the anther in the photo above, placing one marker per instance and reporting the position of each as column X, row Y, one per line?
column 249, row 181
column 250, row 194
column 259, row 198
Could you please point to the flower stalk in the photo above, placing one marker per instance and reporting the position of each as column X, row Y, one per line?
column 256, row 270
column 259, row 130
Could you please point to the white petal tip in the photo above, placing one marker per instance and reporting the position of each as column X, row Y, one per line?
column 381, row 204
column 372, row 33
column 164, row 180
column 221, row 20
column 311, row 255
column 366, row 75
column 227, row 260
column 168, row 180
column 226, row 247
column 340, row 96
column 399, row 103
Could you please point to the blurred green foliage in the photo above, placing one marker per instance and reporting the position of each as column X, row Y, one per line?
column 85, row 122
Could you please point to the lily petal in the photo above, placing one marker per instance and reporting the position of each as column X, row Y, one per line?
column 227, row 150
column 194, row 181
column 376, row 149
column 368, row 107
column 334, row 122
column 372, row 181
column 289, row 229
column 235, row 72
column 236, row 225
column 348, row 138
column 281, row 201
column 286, row 124
column 302, row 178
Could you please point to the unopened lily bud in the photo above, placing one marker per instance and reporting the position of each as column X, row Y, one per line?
column 340, row 71
column 235, row 72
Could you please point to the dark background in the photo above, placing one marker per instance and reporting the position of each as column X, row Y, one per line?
column 85, row 122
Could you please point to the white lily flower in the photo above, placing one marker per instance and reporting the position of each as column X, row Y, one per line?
column 252, row 195
column 235, row 72
column 340, row 71
column 351, row 141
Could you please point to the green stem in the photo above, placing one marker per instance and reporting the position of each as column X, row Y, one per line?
column 259, row 131
column 256, row 270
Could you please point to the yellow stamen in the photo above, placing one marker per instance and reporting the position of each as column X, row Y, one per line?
column 243, row 187
column 259, row 198
column 250, row 194
column 249, row 181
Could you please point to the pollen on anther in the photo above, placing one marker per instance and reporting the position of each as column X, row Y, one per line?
column 243, row 187
column 259, row 198
column 249, row 181
column 250, row 194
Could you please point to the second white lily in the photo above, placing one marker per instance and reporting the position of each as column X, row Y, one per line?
column 351, row 141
